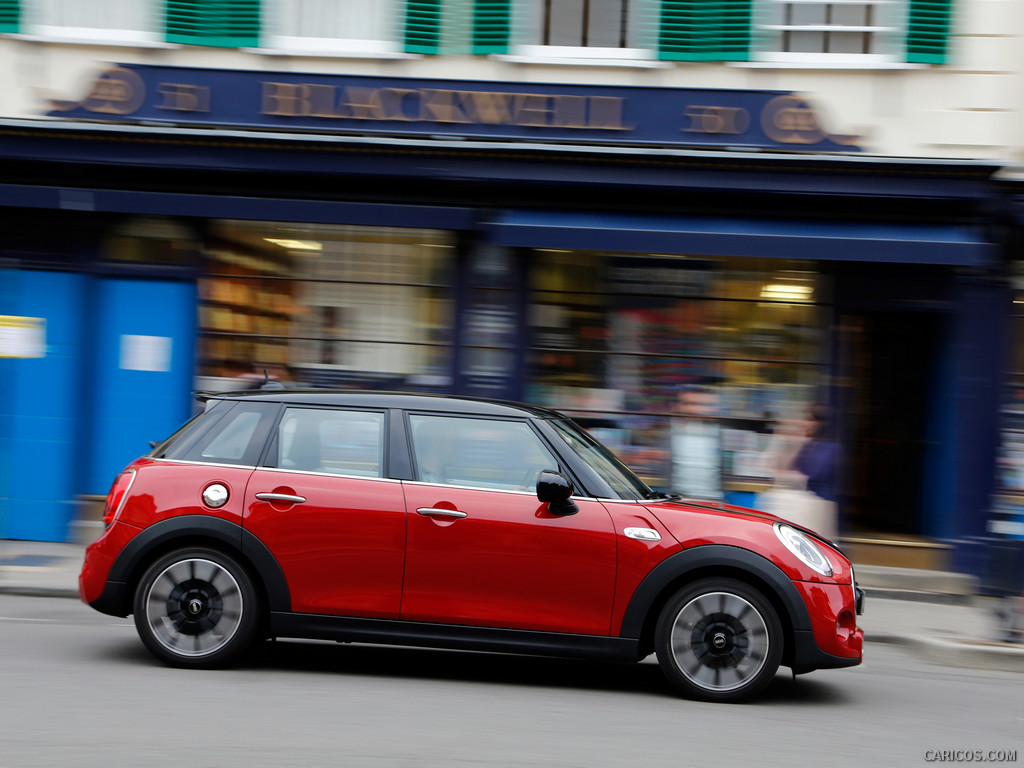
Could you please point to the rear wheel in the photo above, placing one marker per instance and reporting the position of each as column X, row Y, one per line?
column 719, row 640
column 196, row 607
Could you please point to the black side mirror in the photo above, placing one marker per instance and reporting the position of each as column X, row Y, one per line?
column 556, row 490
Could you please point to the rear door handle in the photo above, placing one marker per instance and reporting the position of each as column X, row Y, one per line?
column 288, row 497
column 435, row 512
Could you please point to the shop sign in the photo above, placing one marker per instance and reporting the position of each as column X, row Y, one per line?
column 23, row 337
column 324, row 103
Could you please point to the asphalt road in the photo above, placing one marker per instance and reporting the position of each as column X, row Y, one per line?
column 78, row 689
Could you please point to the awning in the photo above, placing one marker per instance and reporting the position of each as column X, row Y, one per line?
column 951, row 245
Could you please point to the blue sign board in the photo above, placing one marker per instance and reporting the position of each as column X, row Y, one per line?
column 580, row 114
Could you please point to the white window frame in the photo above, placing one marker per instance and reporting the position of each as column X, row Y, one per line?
column 43, row 21
column 527, row 25
column 889, row 34
column 388, row 41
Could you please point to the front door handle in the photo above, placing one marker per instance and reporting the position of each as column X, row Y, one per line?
column 287, row 497
column 435, row 512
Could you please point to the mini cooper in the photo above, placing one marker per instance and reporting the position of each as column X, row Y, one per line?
column 458, row 523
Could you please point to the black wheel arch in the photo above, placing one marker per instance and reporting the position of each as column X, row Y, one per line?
column 708, row 560
column 197, row 530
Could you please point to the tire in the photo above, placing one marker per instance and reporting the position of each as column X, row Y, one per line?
column 718, row 639
column 196, row 607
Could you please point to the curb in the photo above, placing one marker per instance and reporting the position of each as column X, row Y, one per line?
column 30, row 591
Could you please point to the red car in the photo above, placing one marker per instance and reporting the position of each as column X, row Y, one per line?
column 457, row 523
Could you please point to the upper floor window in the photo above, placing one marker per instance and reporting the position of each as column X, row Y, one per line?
column 594, row 29
column 842, row 31
column 99, row 21
column 331, row 27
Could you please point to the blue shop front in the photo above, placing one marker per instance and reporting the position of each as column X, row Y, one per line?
column 632, row 256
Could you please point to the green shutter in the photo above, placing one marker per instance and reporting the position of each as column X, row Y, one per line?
column 423, row 26
column 10, row 15
column 491, row 26
column 704, row 30
column 224, row 23
column 928, row 31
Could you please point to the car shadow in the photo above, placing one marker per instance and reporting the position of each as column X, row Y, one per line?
column 385, row 661
column 644, row 678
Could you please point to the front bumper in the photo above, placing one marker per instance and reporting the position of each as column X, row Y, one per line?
column 834, row 640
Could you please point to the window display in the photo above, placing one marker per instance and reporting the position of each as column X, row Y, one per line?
column 654, row 353
column 325, row 305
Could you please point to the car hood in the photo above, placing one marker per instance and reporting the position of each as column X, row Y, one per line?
column 697, row 522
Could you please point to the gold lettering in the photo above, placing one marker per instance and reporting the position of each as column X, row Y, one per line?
column 711, row 119
column 440, row 107
column 571, row 111
column 791, row 120
column 606, row 113
column 116, row 92
column 183, row 97
column 533, row 109
column 392, row 101
column 487, row 107
column 361, row 104
column 285, row 100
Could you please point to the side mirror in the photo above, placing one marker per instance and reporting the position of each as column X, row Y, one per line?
column 556, row 490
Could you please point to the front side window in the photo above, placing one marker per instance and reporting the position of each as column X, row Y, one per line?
column 478, row 453
column 331, row 441
column 330, row 26
column 101, row 21
column 620, row 479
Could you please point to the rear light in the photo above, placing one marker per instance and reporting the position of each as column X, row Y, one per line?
column 116, row 497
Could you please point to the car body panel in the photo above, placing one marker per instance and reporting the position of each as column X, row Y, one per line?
column 509, row 562
column 342, row 549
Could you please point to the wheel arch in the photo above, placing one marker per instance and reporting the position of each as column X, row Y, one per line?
column 193, row 530
column 714, row 560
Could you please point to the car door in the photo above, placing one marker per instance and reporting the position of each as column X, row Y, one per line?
column 324, row 507
column 482, row 550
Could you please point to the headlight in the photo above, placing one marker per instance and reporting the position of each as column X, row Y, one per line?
column 804, row 548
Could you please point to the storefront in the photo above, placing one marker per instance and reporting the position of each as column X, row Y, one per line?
column 557, row 244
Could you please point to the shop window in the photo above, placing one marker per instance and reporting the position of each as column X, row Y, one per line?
column 366, row 307
column 98, row 21
column 626, row 344
column 330, row 27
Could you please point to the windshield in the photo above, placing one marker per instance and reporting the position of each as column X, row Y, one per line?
column 619, row 478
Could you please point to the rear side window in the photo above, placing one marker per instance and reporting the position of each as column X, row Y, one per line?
column 337, row 442
column 236, row 437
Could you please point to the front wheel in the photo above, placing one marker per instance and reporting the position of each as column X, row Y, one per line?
column 196, row 607
column 719, row 639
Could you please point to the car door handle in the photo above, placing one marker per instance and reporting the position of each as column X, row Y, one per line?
column 291, row 498
column 435, row 512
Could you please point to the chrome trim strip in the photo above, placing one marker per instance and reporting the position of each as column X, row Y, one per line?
column 204, row 463
column 434, row 512
column 327, row 474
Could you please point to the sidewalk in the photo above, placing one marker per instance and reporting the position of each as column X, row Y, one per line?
column 935, row 615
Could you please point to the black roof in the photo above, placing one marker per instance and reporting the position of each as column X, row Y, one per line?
column 406, row 400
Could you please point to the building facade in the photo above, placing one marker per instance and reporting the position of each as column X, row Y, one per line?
column 614, row 208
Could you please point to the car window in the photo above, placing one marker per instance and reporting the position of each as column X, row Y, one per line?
column 480, row 453
column 236, row 437
column 612, row 471
column 333, row 441
column 231, row 442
